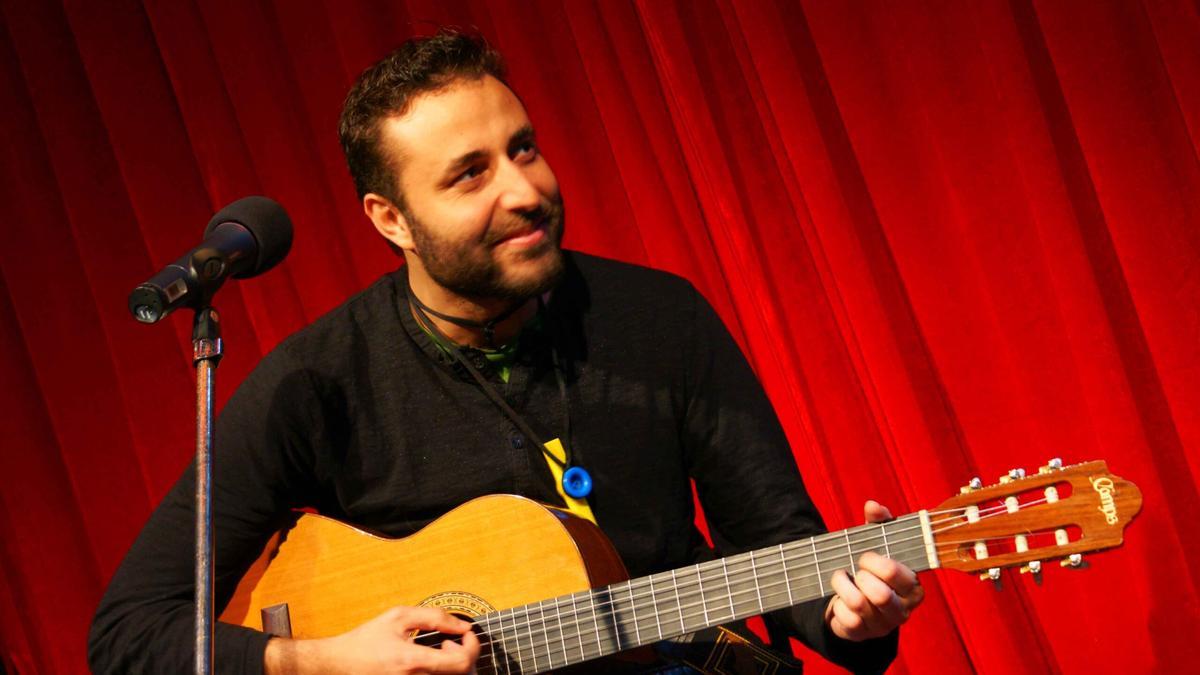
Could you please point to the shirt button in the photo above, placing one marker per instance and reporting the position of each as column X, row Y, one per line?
column 518, row 441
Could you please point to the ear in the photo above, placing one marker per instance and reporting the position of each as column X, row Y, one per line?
column 388, row 220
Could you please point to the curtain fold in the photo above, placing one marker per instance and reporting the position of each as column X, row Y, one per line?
column 951, row 238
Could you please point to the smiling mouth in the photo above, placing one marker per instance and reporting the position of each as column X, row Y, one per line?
column 527, row 237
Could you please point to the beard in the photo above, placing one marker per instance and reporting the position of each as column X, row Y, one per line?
column 472, row 270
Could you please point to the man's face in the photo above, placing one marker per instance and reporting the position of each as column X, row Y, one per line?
column 482, row 205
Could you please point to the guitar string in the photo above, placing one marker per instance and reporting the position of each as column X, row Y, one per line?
column 561, row 647
column 836, row 548
column 526, row 620
column 807, row 580
column 791, row 547
column 795, row 545
column 558, row 645
column 522, row 637
column 649, row 582
column 564, row 635
column 622, row 624
column 549, row 648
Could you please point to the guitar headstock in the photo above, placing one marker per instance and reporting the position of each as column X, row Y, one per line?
column 1059, row 513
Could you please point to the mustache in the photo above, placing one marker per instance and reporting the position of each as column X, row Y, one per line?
column 549, row 214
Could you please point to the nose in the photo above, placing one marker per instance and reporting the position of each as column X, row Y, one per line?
column 517, row 191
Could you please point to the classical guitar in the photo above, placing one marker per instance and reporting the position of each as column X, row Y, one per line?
column 546, row 590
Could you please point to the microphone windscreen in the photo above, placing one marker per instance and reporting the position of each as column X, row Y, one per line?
column 267, row 221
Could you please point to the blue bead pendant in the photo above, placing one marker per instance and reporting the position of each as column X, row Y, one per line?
column 577, row 482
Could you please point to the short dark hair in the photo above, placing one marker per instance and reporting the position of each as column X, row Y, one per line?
column 420, row 66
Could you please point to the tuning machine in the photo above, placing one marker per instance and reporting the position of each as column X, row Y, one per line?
column 973, row 485
column 1035, row 568
column 993, row 575
column 1055, row 464
column 1013, row 474
column 1074, row 561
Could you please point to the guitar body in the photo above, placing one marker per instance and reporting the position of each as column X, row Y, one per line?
column 489, row 554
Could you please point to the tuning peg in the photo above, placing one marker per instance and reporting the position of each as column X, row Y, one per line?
column 1013, row 474
column 993, row 575
column 1053, row 465
column 975, row 484
column 1035, row 568
column 1074, row 561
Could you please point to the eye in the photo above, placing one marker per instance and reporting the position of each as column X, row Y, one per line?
column 469, row 175
column 524, row 151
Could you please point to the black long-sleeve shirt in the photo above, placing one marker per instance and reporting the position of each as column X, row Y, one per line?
column 361, row 416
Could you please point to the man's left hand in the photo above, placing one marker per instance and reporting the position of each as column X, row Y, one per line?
column 880, row 597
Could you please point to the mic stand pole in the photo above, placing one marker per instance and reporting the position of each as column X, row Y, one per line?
column 206, row 354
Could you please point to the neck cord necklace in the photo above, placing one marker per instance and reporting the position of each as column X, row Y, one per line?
column 576, row 481
column 488, row 326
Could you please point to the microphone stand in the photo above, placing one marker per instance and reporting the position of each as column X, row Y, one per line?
column 206, row 354
column 244, row 239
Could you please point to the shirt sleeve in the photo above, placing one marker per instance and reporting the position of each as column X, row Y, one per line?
column 262, row 467
column 747, row 480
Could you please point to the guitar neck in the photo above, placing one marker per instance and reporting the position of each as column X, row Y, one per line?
column 569, row 629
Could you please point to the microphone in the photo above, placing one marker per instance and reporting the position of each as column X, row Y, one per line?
column 244, row 239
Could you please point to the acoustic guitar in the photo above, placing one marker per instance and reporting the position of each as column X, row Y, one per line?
column 546, row 589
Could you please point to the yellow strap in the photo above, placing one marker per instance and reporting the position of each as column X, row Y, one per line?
column 575, row 505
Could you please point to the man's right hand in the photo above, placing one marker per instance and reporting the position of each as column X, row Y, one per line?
column 382, row 645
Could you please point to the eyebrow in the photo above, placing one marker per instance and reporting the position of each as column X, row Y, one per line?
column 464, row 161
column 521, row 135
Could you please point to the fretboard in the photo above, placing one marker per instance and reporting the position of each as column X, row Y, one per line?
column 569, row 629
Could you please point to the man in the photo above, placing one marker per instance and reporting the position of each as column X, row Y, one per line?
column 441, row 382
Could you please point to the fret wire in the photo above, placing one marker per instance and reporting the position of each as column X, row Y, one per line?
column 754, row 576
column 575, row 611
column 545, row 635
column 503, row 653
column 715, row 611
column 678, row 602
column 491, row 643
column 657, row 620
column 817, row 562
column 534, row 625
column 886, row 549
column 725, row 572
column 850, row 551
column 637, row 633
column 595, row 623
column 512, row 614
column 868, row 534
column 616, row 618
column 561, row 636
column 700, row 585
column 786, row 580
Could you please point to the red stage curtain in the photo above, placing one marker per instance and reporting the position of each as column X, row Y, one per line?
column 952, row 238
